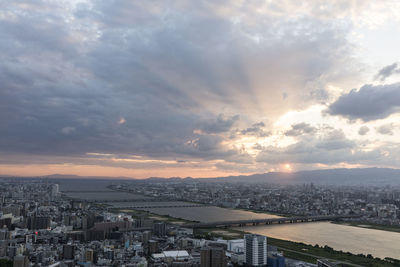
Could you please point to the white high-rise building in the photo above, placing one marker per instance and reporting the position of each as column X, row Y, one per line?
column 255, row 250
column 54, row 190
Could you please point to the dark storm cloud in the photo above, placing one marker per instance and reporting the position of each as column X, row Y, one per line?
column 387, row 71
column 69, row 75
column 371, row 102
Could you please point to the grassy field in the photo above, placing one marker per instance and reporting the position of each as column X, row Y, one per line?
column 209, row 233
column 137, row 214
column 328, row 252
column 298, row 256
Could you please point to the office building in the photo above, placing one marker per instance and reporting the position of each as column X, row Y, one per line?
column 212, row 257
column 38, row 222
column 153, row 247
column 255, row 250
column 159, row 229
column 89, row 255
column 146, row 236
column 68, row 252
column 21, row 261
column 275, row 260
column 235, row 245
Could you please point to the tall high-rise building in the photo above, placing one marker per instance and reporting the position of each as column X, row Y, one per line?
column 146, row 235
column 5, row 234
column 54, row 190
column 38, row 222
column 212, row 257
column 255, row 250
column 89, row 255
column 159, row 229
column 153, row 247
column 68, row 252
column 21, row 261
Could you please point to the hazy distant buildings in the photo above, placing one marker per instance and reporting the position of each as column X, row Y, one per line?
column 55, row 190
column 255, row 249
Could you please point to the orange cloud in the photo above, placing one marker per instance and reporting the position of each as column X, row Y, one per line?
column 95, row 170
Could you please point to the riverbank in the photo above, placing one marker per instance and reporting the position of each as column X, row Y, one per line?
column 310, row 253
column 293, row 250
column 370, row 226
column 265, row 212
column 143, row 214
column 303, row 252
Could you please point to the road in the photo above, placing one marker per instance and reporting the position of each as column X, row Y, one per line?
column 319, row 257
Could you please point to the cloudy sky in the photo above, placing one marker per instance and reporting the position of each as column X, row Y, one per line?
column 198, row 88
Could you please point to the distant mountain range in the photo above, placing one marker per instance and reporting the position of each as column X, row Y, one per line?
column 358, row 176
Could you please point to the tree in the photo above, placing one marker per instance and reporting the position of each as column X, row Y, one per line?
column 5, row 263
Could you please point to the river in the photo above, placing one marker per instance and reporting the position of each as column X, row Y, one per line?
column 340, row 237
column 209, row 214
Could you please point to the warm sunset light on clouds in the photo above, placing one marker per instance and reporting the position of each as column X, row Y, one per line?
column 198, row 88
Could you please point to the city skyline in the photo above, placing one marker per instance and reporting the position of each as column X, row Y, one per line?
column 199, row 88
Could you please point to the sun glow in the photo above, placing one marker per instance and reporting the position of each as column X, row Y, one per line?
column 288, row 167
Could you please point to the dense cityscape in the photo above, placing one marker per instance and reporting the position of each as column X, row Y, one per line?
column 377, row 205
column 41, row 226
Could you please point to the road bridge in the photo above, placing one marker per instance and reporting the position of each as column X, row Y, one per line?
column 280, row 220
column 161, row 206
column 86, row 191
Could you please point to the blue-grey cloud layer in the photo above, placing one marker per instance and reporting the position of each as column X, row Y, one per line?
column 387, row 71
column 69, row 73
column 370, row 102
column 172, row 79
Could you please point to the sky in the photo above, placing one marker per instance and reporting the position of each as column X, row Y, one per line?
column 198, row 88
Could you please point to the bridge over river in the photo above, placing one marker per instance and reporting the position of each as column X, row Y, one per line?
column 269, row 221
column 138, row 206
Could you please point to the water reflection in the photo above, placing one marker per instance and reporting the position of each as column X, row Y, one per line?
column 340, row 237
column 209, row 214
